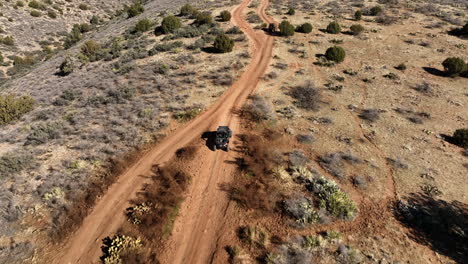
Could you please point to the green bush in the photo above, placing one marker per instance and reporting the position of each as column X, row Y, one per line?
column 8, row 41
column 454, row 66
column 336, row 54
column 52, row 14
column 67, row 66
column 291, row 11
column 36, row 5
column 204, row 18
column 19, row 3
column 460, row 137
column 286, row 29
column 334, row 28
column 358, row 15
column 83, row 6
column 223, row 44
column 333, row 199
column 186, row 10
column 135, row 9
column 170, row 24
column 91, row 49
column 73, row 37
column 94, row 20
column 35, row 13
column 225, row 16
column 375, row 11
column 143, row 25
column 13, row 108
column 14, row 162
column 356, row 29
column 304, row 28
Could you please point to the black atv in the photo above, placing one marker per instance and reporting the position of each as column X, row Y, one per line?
column 222, row 136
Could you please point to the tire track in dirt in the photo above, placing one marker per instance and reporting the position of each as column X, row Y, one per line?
column 202, row 213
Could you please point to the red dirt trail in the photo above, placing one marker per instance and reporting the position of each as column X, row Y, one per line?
column 197, row 228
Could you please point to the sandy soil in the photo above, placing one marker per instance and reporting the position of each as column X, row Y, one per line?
column 204, row 207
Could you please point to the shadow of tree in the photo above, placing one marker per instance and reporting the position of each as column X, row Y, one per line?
column 435, row 71
column 436, row 223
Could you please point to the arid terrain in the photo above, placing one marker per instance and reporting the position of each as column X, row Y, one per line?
column 348, row 121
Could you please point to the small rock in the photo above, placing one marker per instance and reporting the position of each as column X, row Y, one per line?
column 290, row 131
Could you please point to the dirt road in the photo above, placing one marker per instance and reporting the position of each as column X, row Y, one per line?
column 202, row 214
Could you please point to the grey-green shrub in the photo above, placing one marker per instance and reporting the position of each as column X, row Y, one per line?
column 13, row 108
column 304, row 28
column 334, row 28
column 460, row 137
column 225, row 16
column 336, row 54
column 286, row 28
column 223, row 44
column 454, row 66
column 358, row 15
column 170, row 24
column 143, row 25
column 356, row 29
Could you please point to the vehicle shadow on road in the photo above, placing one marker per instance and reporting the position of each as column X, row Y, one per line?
column 209, row 137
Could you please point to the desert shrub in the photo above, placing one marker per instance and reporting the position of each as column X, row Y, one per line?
column 257, row 110
column 286, row 28
column 358, row 15
column 304, row 28
column 118, row 246
column 83, row 28
column 44, row 132
column 13, row 108
column 15, row 162
column 305, row 138
column 170, row 24
column 306, row 96
column 186, row 10
column 234, row 30
column 336, row 54
column 91, row 49
column 397, row 163
column 8, row 40
column 198, row 44
column 19, row 3
column 73, row 37
column 94, row 20
column 67, row 66
column 454, row 66
column 223, row 44
column 135, row 9
column 253, row 236
column 301, row 209
column 401, row 67
column 460, row 137
column 143, row 25
column 386, row 20
column 332, row 198
column 186, row 153
column 370, row 115
column 204, row 18
column 291, row 11
column 36, row 5
column 187, row 115
column 83, row 6
column 35, row 13
column 375, row 11
column 356, row 29
column 225, row 16
column 334, row 28
column 163, row 47
column 52, row 14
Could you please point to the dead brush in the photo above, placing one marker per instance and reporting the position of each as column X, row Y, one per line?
column 186, row 153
